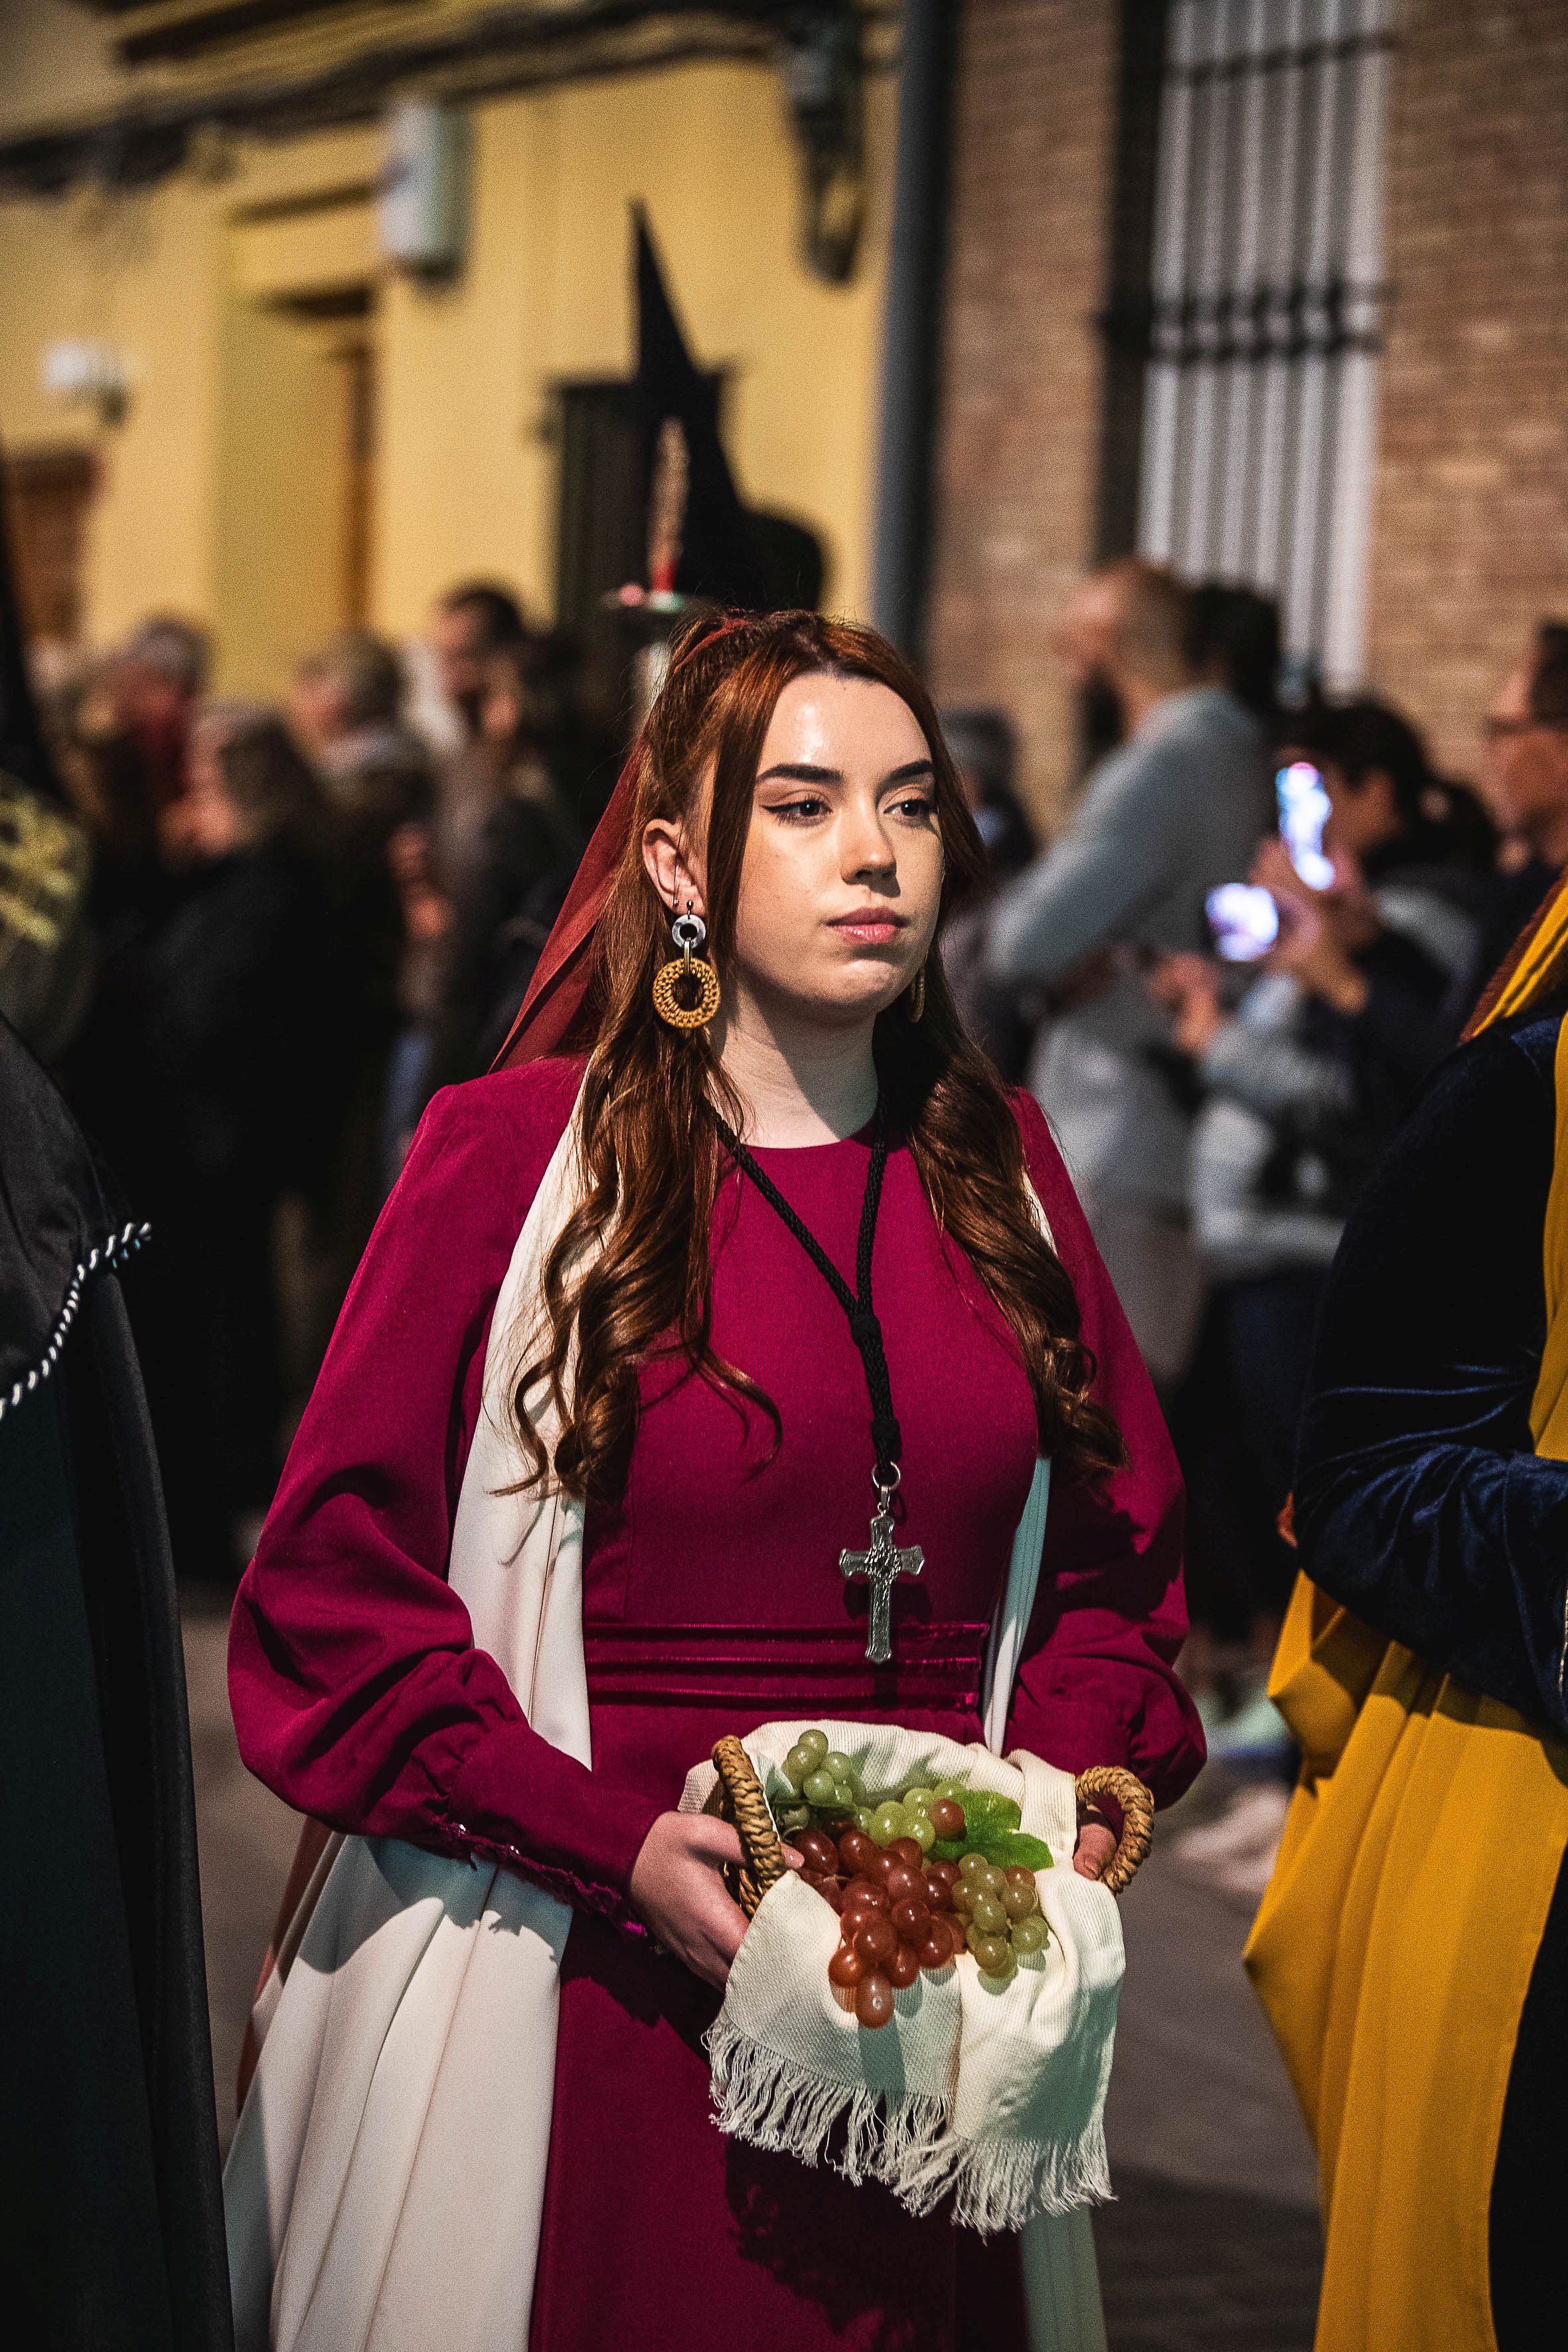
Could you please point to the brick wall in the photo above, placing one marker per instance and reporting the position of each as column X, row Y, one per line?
column 1471, row 520
column 1020, row 433
column 1470, row 540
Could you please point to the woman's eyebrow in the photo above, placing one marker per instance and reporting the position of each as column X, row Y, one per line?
column 801, row 771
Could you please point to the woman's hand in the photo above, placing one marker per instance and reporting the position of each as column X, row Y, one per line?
column 680, row 1897
column 1096, row 1842
column 1311, row 953
column 1189, row 984
column 1346, row 909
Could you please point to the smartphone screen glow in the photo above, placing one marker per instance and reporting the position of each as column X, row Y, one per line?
column 1304, row 805
column 1244, row 919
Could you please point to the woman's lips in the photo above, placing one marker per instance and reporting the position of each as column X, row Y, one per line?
column 869, row 930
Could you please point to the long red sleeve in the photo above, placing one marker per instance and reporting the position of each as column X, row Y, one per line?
column 358, row 1693
column 1097, row 1684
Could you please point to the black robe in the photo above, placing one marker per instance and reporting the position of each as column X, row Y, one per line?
column 110, row 2208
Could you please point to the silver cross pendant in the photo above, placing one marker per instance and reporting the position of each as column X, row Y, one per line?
column 878, row 1567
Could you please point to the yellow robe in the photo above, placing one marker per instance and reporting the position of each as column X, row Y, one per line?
column 1393, row 1947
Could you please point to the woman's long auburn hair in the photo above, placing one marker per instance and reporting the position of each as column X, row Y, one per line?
column 630, row 1275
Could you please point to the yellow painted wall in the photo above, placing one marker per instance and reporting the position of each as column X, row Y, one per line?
column 282, row 439
column 180, row 280
column 146, row 277
column 469, row 477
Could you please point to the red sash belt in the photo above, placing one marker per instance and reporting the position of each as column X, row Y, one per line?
column 784, row 1670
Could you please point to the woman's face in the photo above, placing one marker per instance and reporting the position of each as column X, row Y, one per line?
column 501, row 706
column 841, row 880
column 1362, row 816
column 206, row 823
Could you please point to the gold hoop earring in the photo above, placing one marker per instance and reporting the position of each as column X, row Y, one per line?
column 687, row 931
column 918, row 996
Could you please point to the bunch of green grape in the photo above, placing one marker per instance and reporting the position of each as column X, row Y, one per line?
column 927, row 1814
column 819, row 1788
column 816, row 1779
column 1001, row 1914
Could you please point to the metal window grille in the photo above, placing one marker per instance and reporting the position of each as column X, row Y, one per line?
column 1259, row 392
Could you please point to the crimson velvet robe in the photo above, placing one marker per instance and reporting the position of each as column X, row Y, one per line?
column 712, row 1602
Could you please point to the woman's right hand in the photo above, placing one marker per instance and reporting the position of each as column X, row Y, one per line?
column 1189, row 984
column 679, row 1895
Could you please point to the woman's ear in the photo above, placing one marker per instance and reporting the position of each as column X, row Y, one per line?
column 665, row 855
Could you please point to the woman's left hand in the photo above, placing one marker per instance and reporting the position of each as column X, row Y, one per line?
column 1096, row 1842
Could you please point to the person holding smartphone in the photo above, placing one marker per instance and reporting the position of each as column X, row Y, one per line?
column 1303, row 1071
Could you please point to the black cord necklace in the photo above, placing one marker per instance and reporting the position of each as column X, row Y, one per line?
column 883, row 1560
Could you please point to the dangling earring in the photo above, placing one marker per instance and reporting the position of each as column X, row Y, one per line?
column 918, row 996
column 687, row 931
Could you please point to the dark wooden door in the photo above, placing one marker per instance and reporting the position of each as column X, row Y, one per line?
column 47, row 494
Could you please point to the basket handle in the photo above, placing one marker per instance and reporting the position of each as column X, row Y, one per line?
column 1137, row 1804
column 746, row 1807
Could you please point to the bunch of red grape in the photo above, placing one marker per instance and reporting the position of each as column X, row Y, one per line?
column 899, row 1914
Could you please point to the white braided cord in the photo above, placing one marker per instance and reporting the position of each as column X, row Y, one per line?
column 112, row 1253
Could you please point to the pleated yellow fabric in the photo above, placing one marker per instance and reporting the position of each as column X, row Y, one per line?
column 1393, row 1948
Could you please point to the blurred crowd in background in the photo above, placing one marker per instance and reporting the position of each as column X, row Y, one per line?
column 305, row 920
column 1263, row 919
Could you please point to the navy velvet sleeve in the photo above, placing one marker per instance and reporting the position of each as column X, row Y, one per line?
column 1420, row 1502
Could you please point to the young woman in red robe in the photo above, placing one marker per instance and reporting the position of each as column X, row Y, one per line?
column 792, row 791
